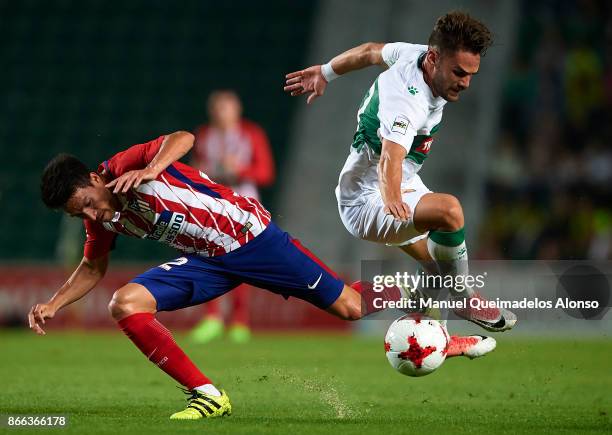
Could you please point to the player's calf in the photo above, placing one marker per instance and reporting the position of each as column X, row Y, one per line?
column 348, row 305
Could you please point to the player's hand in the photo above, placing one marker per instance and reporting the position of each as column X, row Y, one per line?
column 304, row 81
column 132, row 179
column 399, row 209
column 37, row 315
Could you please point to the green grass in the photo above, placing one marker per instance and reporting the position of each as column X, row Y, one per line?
column 310, row 385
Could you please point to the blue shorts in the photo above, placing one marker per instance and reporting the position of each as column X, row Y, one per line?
column 273, row 261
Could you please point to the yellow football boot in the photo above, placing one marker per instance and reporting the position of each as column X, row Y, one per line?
column 203, row 405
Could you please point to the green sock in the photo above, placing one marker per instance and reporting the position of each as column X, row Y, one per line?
column 450, row 252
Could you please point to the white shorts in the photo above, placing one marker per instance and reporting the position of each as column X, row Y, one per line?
column 368, row 220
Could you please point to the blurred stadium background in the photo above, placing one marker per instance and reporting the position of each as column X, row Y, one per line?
column 527, row 150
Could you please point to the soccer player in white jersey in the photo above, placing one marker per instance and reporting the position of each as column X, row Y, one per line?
column 381, row 197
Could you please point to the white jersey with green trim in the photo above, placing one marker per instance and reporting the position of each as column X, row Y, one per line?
column 400, row 107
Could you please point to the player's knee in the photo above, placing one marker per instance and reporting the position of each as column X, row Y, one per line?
column 117, row 305
column 124, row 303
column 452, row 214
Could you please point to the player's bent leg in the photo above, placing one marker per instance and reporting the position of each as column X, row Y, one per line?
column 442, row 215
column 133, row 307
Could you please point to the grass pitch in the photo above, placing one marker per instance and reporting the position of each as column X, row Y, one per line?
column 309, row 384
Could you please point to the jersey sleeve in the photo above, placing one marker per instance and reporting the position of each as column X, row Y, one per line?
column 395, row 51
column 135, row 157
column 98, row 241
column 399, row 113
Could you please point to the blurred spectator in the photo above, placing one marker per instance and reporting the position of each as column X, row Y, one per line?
column 550, row 183
column 233, row 151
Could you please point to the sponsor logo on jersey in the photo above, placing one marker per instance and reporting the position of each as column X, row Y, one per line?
column 167, row 227
column 413, row 90
column 400, row 125
column 425, row 146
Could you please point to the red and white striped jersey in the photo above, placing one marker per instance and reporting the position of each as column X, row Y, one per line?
column 182, row 207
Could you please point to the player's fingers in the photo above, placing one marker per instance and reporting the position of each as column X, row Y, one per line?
column 299, row 92
column 34, row 327
column 295, row 87
column 397, row 214
column 312, row 97
column 31, row 321
column 406, row 210
column 138, row 180
column 119, row 184
column 408, row 190
column 39, row 330
column 38, row 316
column 293, row 80
column 112, row 183
column 294, row 74
column 129, row 183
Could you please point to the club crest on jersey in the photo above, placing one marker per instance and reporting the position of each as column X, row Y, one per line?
column 167, row 227
column 425, row 146
column 139, row 206
column 400, row 125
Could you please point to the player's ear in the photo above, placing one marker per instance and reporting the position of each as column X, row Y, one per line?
column 95, row 179
column 433, row 56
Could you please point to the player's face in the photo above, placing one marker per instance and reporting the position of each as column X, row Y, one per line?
column 453, row 73
column 94, row 202
column 226, row 110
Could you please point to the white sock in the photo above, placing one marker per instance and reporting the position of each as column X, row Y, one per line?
column 209, row 389
column 452, row 260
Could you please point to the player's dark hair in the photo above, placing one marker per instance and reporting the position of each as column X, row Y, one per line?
column 62, row 176
column 457, row 31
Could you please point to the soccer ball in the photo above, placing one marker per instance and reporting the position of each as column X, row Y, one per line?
column 416, row 345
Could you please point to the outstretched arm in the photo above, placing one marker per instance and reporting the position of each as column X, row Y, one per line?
column 173, row 147
column 83, row 279
column 315, row 78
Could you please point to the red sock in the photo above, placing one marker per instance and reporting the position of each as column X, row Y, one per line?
column 156, row 342
column 366, row 290
column 240, row 305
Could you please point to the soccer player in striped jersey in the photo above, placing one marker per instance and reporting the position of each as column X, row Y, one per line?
column 381, row 197
column 226, row 240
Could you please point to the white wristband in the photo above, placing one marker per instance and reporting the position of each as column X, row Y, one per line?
column 328, row 72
